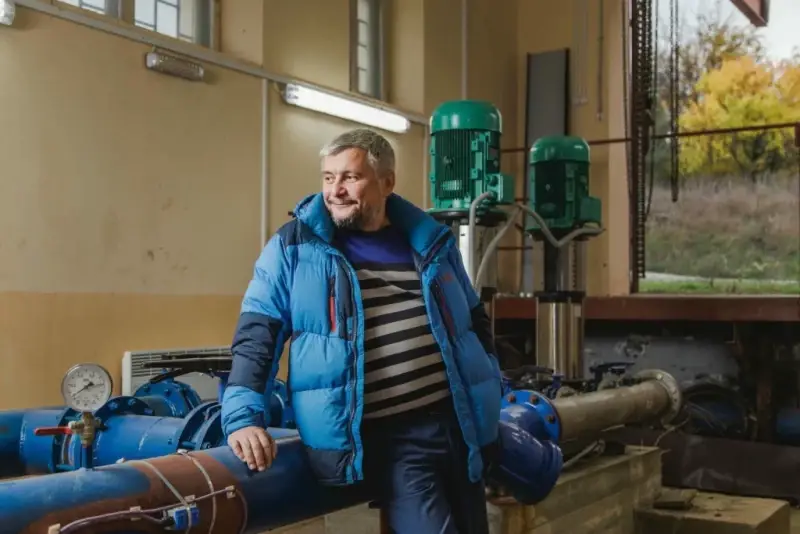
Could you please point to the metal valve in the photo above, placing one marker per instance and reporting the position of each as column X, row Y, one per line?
column 85, row 428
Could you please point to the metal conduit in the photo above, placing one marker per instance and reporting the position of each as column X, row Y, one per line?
column 582, row 415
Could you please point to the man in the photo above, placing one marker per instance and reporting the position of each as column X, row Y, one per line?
column 392, row 372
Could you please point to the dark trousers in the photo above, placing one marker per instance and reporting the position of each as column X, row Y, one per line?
column 416, row 464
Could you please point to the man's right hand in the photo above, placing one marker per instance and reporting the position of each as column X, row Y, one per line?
column 254, row 446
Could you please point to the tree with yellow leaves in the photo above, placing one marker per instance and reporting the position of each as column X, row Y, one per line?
column 741, row 92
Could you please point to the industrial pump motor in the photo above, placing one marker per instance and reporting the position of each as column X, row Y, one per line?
column 466, row 182
column 560, row 209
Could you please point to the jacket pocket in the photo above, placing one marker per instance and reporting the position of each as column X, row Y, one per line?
column 332, row 303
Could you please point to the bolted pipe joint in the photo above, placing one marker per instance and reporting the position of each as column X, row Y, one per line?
column 673, row 389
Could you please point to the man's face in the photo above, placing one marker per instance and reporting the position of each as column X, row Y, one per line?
column 354, row 193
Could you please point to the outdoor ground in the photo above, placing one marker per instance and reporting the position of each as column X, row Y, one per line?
column 728, row 236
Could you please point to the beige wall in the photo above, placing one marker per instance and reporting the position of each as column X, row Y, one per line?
column 126, row 223
column 607, row 263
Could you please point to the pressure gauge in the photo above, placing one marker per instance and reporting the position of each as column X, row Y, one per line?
column 86, row 387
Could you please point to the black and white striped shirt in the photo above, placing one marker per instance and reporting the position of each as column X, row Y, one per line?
column 403, row 367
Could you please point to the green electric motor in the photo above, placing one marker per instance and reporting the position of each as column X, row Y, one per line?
column 465, row 156
column 559, row 184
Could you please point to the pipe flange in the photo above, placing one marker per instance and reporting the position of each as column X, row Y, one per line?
column 673, row 390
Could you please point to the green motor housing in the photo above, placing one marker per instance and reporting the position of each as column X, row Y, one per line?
column 558, row 185
column 465, row 156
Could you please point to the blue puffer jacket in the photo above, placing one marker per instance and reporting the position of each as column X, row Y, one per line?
column 304, row 290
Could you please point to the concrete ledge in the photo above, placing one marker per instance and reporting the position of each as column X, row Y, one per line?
column 598, row 497
column 713, row 513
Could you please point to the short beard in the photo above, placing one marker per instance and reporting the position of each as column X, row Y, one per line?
column 355, row 221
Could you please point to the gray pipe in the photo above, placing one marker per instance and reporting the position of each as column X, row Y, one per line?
column 658, row 397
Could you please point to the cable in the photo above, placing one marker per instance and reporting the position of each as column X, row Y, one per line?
column 202, row 469
column 173, row 489
column 473, row 215
column 147, row 514
column 493, row 244
column 558, row 243
column 134, row 513
column 490, row 248
column 596, row 446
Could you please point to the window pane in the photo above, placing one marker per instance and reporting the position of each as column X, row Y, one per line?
column 95, row 5
column 363, row 32
column 188, row 19
column 364, row 85
column 167, row 19
column 364, row 11
column 145, row 13
column 363, row 58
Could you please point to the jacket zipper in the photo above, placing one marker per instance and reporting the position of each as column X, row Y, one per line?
column 332, row 304
column 351, row 335
column 437, row 246
column 355, row 381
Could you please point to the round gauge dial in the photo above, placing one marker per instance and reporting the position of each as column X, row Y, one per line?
column 86, row 387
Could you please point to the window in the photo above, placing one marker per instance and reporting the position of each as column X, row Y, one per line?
column 367, row 50
column 104, row 7
column 182, row 19
column 187, row 20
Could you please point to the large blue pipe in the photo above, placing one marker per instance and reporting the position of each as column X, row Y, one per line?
column 528, row 466
column 286, row 493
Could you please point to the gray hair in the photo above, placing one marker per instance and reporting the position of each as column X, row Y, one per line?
column 380, row 153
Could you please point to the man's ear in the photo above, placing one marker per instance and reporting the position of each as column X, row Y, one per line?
column 388, row 183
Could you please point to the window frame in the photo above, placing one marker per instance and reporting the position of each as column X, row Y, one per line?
column 207, row 26
column 377, row 33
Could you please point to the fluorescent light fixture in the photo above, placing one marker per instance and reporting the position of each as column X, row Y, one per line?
column 174, row 66
column 344, row 108
column 7, row 11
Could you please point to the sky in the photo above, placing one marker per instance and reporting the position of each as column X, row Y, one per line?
column 780, row 35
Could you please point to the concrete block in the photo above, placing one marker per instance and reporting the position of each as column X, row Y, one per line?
column 713, row 513
column 599, row 497
column 312, row 526
column 356, row 520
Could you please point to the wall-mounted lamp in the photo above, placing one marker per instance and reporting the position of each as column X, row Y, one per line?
column 7, row 11
column 174, row 66
column 344, row 108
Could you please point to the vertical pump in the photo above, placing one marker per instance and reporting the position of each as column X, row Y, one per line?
column 466, row 183
column 561, row 208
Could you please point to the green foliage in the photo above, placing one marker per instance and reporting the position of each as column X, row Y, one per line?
column 726, row 230
column 741, row 92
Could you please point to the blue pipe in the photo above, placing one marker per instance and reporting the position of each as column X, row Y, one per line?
column 161, row 418
column 528, row 466
column 169, row 397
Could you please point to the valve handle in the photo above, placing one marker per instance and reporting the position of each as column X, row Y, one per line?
column 52, row 431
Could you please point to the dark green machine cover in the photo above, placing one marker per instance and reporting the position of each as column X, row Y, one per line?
column 465, row 155
column 559, row 184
